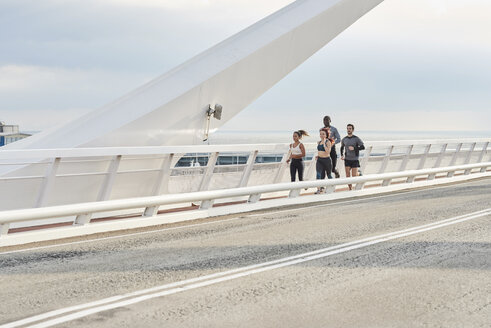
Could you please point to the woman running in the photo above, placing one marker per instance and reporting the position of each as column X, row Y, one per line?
column 297, row 153
column 324, row 164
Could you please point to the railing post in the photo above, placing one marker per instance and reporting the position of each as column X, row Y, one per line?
column 468, row 158
column 330, row 189
column 254, row 198
column 310, row 172
column 107, row 185
column 162, row 182
column 4, row 229
column 206, row 204
column 438, row 161
column 406, row 158
column 82, row 219
column 469, row 155
column 150, row 211
column 456, row 154
column 210, row 167
column 386, row 182
column 385, row 162
column 248, row 169
column 483, row 152
column 281, row 168
column 294, row 193
column 421, row 163
column 365, row 159
column 454, row 159
column 48, row 181
column 359, row 185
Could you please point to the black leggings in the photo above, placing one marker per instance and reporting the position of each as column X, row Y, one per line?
column 323, row 167
column 296, row 164
column 334, row 157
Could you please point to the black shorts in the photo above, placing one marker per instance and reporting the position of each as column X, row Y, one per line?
column 351, row 163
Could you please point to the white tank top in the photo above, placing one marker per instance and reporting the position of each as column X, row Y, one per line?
column 296, row 150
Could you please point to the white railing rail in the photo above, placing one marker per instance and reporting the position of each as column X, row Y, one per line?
column 151, row 150
column 148, row 206
column 47, row 177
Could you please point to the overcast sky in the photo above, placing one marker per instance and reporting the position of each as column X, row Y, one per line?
column 406, row 65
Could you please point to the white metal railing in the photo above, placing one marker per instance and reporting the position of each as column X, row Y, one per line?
column 47, row 177
column 83, row 212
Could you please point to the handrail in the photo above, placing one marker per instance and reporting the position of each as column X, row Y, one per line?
column 128, row 151
column 153, row 150
column 7, row 217
column 56, row 176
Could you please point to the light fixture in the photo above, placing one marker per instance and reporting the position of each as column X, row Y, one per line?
column 216, row 112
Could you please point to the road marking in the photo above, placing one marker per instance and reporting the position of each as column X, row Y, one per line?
column 79, row 311
column 212, row 222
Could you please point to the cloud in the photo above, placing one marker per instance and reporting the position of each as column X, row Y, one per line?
column 420, row 23
column 35, row 120
column 363, row 119
column 37, row 97
column 59, row 88
column 184, row 5
column 405, row 56
column 439, row 6
column 128, row 35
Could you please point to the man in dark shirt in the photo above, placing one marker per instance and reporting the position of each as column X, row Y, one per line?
column 334, row 134
column 350, row 152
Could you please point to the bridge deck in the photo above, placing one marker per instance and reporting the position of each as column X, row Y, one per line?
column 436, row 277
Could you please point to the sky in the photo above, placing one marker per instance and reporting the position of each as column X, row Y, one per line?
column 414, row 65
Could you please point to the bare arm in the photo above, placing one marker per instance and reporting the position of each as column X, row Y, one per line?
column 328, row 146
column 289, row 154
column 342, row 150
column 337, row 137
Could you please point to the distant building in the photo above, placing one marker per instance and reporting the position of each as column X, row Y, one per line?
column 10, row 133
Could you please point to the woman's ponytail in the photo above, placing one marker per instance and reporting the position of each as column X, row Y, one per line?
column 301, row 133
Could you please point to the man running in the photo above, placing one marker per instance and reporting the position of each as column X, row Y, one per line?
column 334, row 134
column 350, row 152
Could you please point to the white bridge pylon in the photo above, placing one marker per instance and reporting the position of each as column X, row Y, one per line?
column 172, row 109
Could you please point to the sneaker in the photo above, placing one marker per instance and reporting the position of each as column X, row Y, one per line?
column 336, row 174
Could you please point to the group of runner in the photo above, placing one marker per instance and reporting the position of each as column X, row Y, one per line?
column 327, row 156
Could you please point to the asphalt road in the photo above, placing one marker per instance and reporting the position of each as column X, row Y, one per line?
column 315, row 266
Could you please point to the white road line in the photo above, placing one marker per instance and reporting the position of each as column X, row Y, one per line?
column 168, row 289
column 212, row 222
